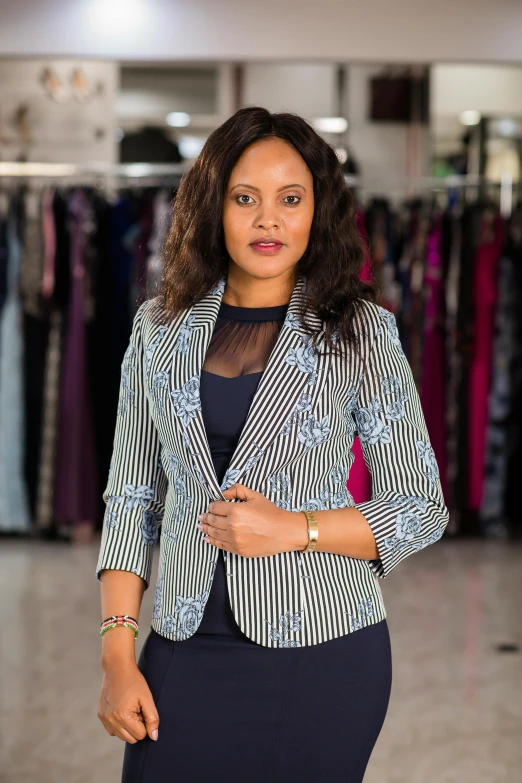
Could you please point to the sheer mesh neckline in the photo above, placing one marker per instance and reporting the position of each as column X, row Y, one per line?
column 243, row 340
column 237, row 313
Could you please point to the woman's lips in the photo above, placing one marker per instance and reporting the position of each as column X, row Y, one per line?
column 266, row 248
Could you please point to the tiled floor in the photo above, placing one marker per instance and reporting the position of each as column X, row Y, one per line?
column 455, row 714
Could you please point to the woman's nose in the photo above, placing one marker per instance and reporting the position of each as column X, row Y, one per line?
column 267, row 218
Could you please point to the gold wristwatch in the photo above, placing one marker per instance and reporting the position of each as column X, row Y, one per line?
column 313, row 532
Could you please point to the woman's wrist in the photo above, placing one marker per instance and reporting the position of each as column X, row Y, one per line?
column 297, row 526
column 118, row 648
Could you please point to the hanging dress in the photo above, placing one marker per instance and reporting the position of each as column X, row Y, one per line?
column 14, row 503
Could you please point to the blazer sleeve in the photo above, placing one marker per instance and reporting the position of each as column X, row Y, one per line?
column 407, row 511
column 136, row 487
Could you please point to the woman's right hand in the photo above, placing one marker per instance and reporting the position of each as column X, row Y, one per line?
column 126, row 706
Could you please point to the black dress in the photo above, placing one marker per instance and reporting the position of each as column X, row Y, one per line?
column 232, row 710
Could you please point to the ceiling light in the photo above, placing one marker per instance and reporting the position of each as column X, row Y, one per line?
column 177, row 119
column 126, row 13
column 191, row 146
column 470, row 117
column 330, row 124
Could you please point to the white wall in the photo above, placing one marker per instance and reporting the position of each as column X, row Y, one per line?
column 173, row 30
column 306, row 88
column 71, row 131
column 384, row 150
column 494, row 91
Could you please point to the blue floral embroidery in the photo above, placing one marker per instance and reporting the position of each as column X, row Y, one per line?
column 390, row 324
column 185, row 335
column 349, row 410
column 426, row 453
column 184, row 499
column 170, row 535
column 313, row 504
column 189, row 613
column 159, row 382
column 140, row 496
column 339, row 498
column 303, row 405
column 420, row 503
column 305, row 357
column 111, row 517
column 313, row 432
column 292, row 321
column 300, row 563
column 408, row 524
column 418, row 545
column 158, row 595
column 219, row 288
column 280, row 482
column 231, row 476
column 391, row 385
column 187, row 400
column 338, row 474
column 369, row 426
column 395, row 409
column 149, row 350
column 199, row 474
column 288, row 623
column 173, row 462
column 364, row 611
column 180, row 485
column 149, row 528
column 254, row 459
column 128, row 366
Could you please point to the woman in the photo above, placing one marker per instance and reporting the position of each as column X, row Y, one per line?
column 245, row 382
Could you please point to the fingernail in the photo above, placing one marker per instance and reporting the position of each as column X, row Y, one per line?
column 155, row 734
column 200, row 517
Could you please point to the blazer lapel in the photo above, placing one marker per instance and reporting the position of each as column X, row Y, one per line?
column 291, row 383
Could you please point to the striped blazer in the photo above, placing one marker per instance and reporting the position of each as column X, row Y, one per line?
column 295, row 448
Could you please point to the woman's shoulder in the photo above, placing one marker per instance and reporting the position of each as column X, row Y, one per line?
column 375, row 313
column 369, row 314
column 148, row 316
column 375, row 320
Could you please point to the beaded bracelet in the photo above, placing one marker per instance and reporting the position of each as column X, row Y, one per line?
column 119, row 620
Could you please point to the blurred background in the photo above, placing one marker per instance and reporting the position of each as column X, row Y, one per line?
column 103, row 106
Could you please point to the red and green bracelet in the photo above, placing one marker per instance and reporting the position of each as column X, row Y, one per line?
column 118, row 620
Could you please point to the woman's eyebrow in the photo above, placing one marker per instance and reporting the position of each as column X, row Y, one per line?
column 251, row 187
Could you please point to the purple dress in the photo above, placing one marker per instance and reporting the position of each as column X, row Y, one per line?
column 76, row 484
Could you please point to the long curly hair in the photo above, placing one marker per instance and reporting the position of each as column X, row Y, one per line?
column 195, row 255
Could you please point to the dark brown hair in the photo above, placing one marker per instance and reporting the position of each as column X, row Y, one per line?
column 195, row 255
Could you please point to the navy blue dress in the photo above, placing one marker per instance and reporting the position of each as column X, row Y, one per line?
column 233, row 711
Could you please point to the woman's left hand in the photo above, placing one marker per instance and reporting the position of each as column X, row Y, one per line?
column 254, row 528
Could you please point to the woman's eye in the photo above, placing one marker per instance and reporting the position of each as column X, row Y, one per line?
column 297, row 199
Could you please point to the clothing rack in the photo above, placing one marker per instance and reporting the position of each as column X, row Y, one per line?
column 426, row 271
column 144, row 174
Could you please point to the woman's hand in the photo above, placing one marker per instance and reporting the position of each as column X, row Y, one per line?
column 254, row 528
column 126, row 707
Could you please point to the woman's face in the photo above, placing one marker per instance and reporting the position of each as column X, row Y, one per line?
column 269, row 197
